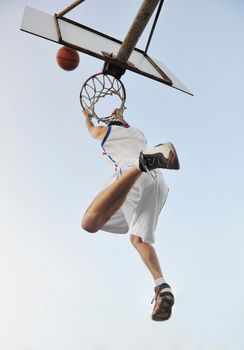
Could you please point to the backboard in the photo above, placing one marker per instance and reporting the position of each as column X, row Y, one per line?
column 89, row 41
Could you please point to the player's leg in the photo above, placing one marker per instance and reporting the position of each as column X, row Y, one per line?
column 148, row 255
column 111, row 199
column 164, row 299
column 108, row 201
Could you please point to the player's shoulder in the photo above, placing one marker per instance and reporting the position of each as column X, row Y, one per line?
column 99, row 132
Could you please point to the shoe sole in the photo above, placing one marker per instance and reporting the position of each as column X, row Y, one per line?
column 172, row 159
column 166, row 303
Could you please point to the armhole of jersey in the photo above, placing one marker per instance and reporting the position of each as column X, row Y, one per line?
column 106, row 136
column 125, row 126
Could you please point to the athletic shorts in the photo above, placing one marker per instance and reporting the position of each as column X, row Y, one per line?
column 143, row 204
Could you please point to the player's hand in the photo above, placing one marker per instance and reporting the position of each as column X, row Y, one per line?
column 116, row 111
column 86, row 113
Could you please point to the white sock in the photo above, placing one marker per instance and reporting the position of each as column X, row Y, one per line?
column 159, row 281
column 137, row 165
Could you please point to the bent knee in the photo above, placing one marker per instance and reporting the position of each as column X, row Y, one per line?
column 88, row 223
column 135, row 240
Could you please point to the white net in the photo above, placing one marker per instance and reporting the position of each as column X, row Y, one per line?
column 96, row 89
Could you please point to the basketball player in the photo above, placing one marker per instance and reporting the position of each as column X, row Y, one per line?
column 134, row 196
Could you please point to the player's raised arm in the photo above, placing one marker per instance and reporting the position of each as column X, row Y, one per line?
column 97, row 132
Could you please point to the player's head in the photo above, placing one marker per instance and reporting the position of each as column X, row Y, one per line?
column 115, row 117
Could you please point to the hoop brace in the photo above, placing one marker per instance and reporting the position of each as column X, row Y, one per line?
column 153, row 26
column 99, row 86
column 69, row 8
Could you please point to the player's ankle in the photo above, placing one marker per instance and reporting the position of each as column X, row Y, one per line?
column 159, row 281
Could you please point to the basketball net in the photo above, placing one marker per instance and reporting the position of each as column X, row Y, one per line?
column 97, row 87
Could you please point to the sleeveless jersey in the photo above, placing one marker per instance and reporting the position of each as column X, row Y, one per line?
column 122, row 145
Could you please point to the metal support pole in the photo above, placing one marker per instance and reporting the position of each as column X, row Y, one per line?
column 69, row 8
column 143, row 16
column 154, row 25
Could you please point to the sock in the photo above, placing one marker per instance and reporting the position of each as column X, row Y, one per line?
column 159, row 281
column 138, row 165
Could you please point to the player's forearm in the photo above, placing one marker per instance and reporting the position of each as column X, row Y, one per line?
column 95, row 131
column 89, row 124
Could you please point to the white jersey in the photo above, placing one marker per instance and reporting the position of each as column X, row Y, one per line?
column 122, row 145
column 139, row 213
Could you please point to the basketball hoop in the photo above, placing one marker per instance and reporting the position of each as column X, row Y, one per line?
column 99, row 86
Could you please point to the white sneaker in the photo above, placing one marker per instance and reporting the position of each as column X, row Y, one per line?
column 161, row 156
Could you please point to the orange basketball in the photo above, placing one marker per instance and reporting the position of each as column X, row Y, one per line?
column 67, row 58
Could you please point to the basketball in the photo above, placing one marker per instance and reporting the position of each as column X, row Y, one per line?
column 67, row 58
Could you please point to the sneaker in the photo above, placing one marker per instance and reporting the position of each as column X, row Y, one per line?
column 161, row 156
column 163, row 303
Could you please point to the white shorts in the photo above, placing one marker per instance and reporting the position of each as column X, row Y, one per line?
column 140, row 211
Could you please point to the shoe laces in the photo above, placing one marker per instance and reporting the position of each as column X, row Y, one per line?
column 147, row 170
column 154, row 162
column 150, row 172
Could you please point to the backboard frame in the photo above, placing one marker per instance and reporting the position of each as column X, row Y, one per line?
column 50, row 30
column 108, row 57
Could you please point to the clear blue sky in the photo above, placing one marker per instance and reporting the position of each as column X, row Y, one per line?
column 63, row 288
